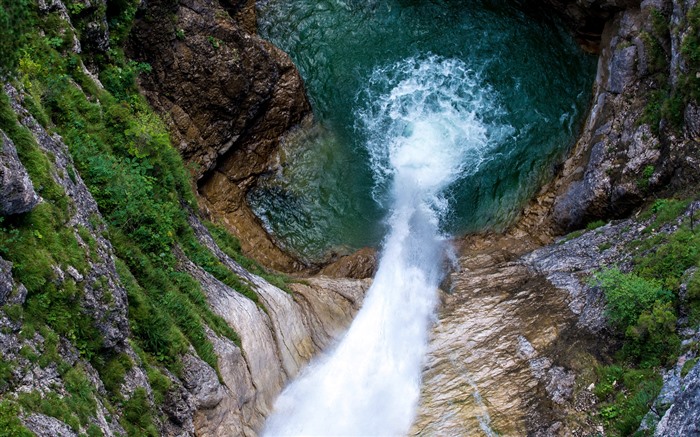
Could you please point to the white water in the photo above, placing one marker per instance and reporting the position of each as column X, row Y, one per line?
column 426, row 129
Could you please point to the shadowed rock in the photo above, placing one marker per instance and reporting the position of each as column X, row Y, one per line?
column 17, row 193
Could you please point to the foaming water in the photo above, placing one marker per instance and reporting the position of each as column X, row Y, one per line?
column 426, row 127
column 321, row 202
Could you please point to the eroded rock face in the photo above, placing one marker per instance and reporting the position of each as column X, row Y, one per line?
column 278, row 337
column 228, row 96
column 683, row 417
column 585, row 19
column 505, row 351
column 17, row 193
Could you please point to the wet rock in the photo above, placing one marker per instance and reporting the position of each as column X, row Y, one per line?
column 494, row 360
column 585, row 19
column 359, row 265
column 619, row 160
column 275, row 342
column 17, row 193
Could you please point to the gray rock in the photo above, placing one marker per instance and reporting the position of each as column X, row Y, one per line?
column 692, row 121
column 17, row 193
column 104, row 296
column 683, row 417
column 201, row 381
column 622, row 69
column 6, row 283
column 45, row 426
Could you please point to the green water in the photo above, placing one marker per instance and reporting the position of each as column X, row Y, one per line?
column 328, row 197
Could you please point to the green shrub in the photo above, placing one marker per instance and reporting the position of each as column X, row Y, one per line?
column 10, row 425
column 627, row 295
column 15, row 19
column 653, row 340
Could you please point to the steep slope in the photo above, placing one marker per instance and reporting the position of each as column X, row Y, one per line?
column 122, row 313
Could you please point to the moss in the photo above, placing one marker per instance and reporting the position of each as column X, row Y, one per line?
column 595, row 224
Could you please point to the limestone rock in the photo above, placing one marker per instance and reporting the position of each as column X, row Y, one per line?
column 17, row 193
column 497, row 359
column 622, row 69
column 619, row 160
column 275, row 342
column 201, row 381
column 6, row 283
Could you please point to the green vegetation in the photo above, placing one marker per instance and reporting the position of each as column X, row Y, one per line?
column 13, row 27
column 138, row 415
column 595, row 224
column 75, row 409
column 643, row 305
column 626, row 395
column 122, row 151
column 666, row 102
column 10, row 426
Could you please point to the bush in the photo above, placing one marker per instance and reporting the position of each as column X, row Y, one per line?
column 10, row 425
column 627, row 295
column 137, row 419
column 653, row 340
column 14, row 21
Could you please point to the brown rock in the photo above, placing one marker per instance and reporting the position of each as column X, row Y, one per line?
column 228, row 96
column 359, row 265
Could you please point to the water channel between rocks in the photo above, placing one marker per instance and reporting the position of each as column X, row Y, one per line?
column 432, row 119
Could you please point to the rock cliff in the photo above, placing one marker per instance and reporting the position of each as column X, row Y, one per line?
column 516, row 337
column 228, row 96
column 640, row 137
column 77, row 365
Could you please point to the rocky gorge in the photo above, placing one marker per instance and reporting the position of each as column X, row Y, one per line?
column 521, row 326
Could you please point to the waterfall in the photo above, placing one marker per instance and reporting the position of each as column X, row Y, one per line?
column 426, row 125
